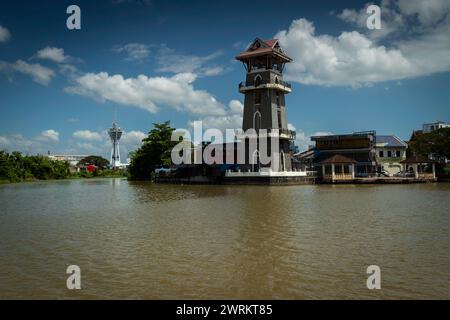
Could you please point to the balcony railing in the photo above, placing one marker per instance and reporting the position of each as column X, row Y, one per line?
column 290, row 134
column 264, row 82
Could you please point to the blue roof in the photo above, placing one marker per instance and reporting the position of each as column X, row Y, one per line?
column 390, row 141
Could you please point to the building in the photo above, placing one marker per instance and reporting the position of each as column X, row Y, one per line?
column 420, row 167
column 264, row 101
column 338, row 168
column 357, row 146
column 389, row 152
column 268, row 160
column 72, row 159
column 373, row 154
column 428, row 127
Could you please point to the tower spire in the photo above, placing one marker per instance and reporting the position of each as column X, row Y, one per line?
column 115, row 133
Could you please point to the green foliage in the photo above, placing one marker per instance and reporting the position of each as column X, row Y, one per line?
column 436, row 142
column 155, row 151
column 97, row 161
column 107, row 173
column 15, row 167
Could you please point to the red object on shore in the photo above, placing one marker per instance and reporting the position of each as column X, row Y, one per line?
column 90, row 168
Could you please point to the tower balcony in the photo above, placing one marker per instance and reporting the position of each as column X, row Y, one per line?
column 275, row 133
column 286, row 134
column 280, row 85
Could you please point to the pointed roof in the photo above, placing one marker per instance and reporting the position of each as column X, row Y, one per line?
column 389, row 141
column 263, row 47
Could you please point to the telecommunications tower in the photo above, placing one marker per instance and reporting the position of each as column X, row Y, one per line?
column 115, row 133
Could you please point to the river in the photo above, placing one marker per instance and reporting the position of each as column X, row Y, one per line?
column 146, row 241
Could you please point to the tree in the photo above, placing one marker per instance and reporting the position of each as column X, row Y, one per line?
column 15, row 167
column 436, row 142
column 155, row 151
column 97, row 161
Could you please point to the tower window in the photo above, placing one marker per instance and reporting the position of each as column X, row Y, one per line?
column 279, row 119
column 257, row 98
column 278, row 98
column 257, row 80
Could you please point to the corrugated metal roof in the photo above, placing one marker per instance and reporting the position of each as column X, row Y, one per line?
column 389, row 141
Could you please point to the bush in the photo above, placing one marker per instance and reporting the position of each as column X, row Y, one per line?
column 15, row 167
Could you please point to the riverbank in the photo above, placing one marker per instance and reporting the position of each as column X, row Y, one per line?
column 211, row 180
column 4, row 181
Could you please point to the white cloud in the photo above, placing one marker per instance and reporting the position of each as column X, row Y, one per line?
column 232, row 119
column 348, row 60
column 133, row 138
column 87, row 135
column 148, row 93
column 98, row 142
column 41, row 143
column 428, row 12
column 4, row 34
column 49, row 135
column 170, row 61
column 136, row 52
column 15, row 142
column 303, row 140
column 73, row 120
column 83, row 142
column 414, row 42
column 38, row 73
column 53, row 54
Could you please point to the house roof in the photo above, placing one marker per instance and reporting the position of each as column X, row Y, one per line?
column 390, row 141
column 338, row 158
column 263, row 47
column 308, row 154
column 417, row 159
column 341, row 136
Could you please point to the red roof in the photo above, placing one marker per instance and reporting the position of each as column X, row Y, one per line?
column 271, row 42
column 263, row 47
column 338, row 158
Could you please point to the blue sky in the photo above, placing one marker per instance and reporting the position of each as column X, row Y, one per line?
column 151, row 61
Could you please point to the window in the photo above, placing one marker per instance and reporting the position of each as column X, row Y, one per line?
column 258, row 80
column 389, row 154
column 381, row 154
column 398, row 154
column 278, row 98
column 257, row 120
column 279, row 119
column 257, row 97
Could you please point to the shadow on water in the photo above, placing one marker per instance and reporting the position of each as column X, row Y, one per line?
column 147, row 192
